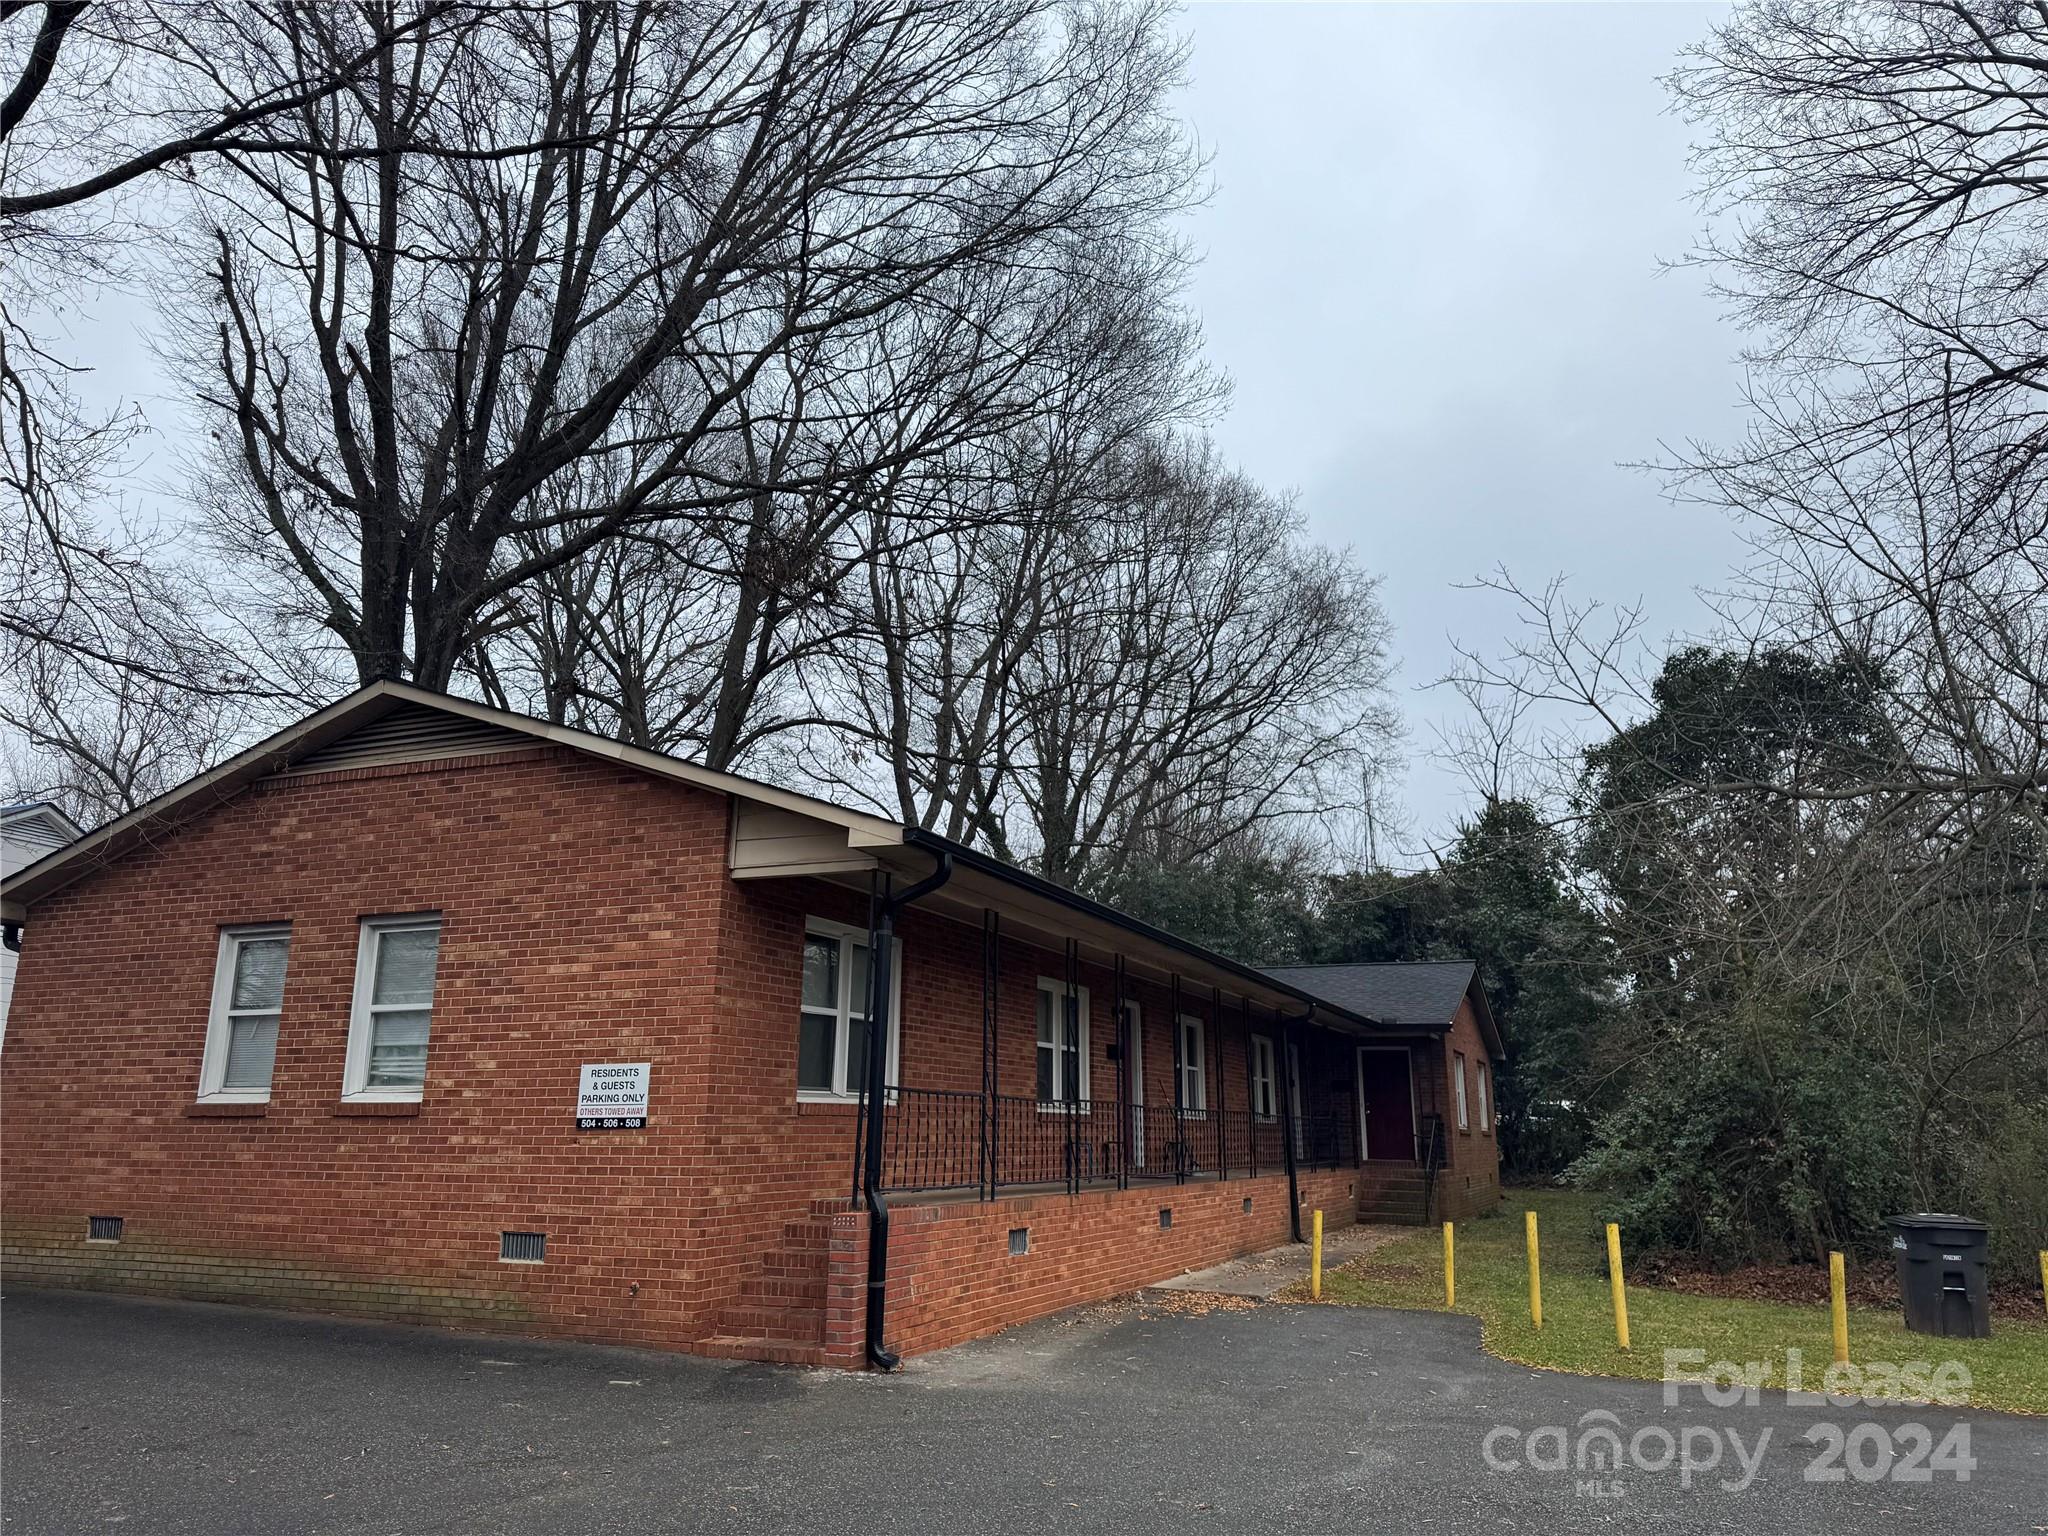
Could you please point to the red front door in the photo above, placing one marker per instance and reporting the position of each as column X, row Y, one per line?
column 1387, row 1090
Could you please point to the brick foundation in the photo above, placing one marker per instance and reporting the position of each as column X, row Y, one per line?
column 953, row 1278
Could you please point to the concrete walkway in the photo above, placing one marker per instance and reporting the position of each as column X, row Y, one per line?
column 1266, row 1274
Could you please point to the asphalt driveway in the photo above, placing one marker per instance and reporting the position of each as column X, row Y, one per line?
column 1130, row 1417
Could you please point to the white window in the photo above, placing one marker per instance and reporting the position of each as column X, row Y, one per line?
column 1265, row 1079
column 1062, row 1043
column 394, row 1005
column 1458, row 1088
column 1194, row 1063
column 1485, row 1097
column 832, row 1031
column 241, row 1031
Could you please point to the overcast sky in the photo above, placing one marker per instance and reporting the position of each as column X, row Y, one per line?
column 1432, row 270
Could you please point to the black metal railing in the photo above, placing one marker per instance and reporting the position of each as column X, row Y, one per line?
column 946, row 1139
column 1326, row 1141
column 1431, row 1151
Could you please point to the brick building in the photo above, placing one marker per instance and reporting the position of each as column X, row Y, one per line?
column 426, row 1011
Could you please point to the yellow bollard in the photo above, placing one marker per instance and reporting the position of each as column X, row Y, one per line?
column 1315, row 1262
column 1535, row 1272
column 1450, row 1267
column 1614, row 1284
column 1838, row 1304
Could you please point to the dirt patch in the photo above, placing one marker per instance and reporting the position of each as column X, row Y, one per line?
column 1195, row 1303
column 1868, row 1285
column 1137, row 1306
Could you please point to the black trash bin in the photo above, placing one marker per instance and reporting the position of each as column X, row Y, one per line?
column 1944, row 1273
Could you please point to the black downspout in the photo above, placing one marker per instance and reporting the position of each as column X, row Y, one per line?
column 881, row 960
column 1288, row 1052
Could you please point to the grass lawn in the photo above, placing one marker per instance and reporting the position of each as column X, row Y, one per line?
column 2008, row 1370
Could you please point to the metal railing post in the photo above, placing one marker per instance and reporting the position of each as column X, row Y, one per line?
column 1073, row 1080
column 991, row 1048
column 1214, row 1035
column 1285, row 1045
column 1125, row 1131
column 1180, row 1119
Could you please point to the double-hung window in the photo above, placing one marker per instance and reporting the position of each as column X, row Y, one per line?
column 1265, row 1080
column 1194, row 1064
column 1062, row 1043
column 1485, row 1097
column 832, row 1029
column 241, row 1030
column 394, row 1007
column 1458, row 1088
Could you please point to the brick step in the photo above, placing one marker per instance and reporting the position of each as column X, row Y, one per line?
column 794, row 1263
column 728, row 1346
column 771, row 1290
column 801, row 1324
column 806, row 1233
column 1397, row 1213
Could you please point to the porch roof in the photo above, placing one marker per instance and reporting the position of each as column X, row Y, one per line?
column 1048, row 914
column 1406, row 994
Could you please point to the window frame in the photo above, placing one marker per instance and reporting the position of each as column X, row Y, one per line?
column 1483, row 1077
column 1458, row 1092
column 1057, row 989
column 1197, row 1103
column 1265, row 1079
column 213, row 1057
column 827, row 928
column 355, row 1084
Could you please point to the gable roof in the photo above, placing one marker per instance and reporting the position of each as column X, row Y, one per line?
column 39, row 821
column 29, row 831
column 302, row 747
column 1421, row 994
column 392, row 721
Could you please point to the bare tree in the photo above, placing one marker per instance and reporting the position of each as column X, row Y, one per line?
column 102, row 100
column 726, row 205
column 1146, row 670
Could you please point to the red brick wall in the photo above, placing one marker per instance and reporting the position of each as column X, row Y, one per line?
column 1470, row 1183
column 952, row 1276
column 582, row 921
column 587, row 916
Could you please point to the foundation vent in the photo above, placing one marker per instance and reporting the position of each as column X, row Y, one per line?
column 522, row 1247
column 103, row 1229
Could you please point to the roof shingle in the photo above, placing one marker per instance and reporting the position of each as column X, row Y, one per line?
column 1416, row 992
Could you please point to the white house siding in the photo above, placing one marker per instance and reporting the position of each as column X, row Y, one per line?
column 27, row 832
